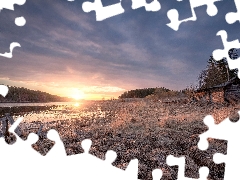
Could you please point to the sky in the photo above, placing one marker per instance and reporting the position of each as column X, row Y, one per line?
column 65, row 51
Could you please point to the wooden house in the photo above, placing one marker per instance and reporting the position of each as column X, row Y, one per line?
column 225, row 92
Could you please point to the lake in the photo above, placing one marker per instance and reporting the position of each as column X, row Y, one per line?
column 36, row 104
column 52, row 111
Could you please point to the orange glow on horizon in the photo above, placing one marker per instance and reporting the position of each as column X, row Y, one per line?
column 74, row 89
column 77, row 94
column 76, row 104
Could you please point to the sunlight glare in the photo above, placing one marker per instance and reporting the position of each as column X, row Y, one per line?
column 76, row 104
column 78, row 94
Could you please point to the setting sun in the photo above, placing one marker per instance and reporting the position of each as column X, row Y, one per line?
column 78, row 94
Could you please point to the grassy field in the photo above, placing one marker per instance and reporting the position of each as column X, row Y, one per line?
column 140, row 128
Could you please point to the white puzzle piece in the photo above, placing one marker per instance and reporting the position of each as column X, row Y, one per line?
column 3, row 90
column 56, row 164
column 26, row 162
column 100, row 167
column 219, row 54
column 180, row 162
column 9, row 4
column 153, row 6
column 19, row 21
column 157, row 174
column 226, row 130
column 173, row 14
column 103, row 13
column 232, row 17
column 10, row 54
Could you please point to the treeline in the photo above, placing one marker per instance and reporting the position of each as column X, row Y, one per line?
column 215, row 73
column 137, row 93
column 146, row 92
column 20, row 94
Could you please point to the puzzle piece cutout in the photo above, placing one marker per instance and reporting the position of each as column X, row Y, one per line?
column 30, row 160
column 157, row 174
column 180, row 162
column 153, row 6
column 226, row 130
column 19, row 145
column 44, row 144
column 19, row 21
column 102, row 12
column 17, row 152
column 67, row 166
column 223, row 53
column 8, row 136
column 59, row 152
column 25, row 154
column 12, row 46
column 3, row 90
column 232, row 17
column 173, row 14
column 86, row 162
column 93, row 163
column 9, row 4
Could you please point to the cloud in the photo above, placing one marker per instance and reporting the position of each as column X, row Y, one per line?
column 174, row 66
column 60, row 44
column 99, row 89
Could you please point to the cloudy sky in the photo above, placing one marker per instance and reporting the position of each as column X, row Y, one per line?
column 65, row 51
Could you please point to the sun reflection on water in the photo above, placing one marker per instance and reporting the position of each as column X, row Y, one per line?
column 76, row 104
column 70, row 111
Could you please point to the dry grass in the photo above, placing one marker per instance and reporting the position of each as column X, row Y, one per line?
column 147, row 130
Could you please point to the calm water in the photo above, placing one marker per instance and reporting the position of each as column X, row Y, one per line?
column 60, row 111
column 36, row 104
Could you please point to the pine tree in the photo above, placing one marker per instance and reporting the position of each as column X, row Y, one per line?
column 217, row 72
